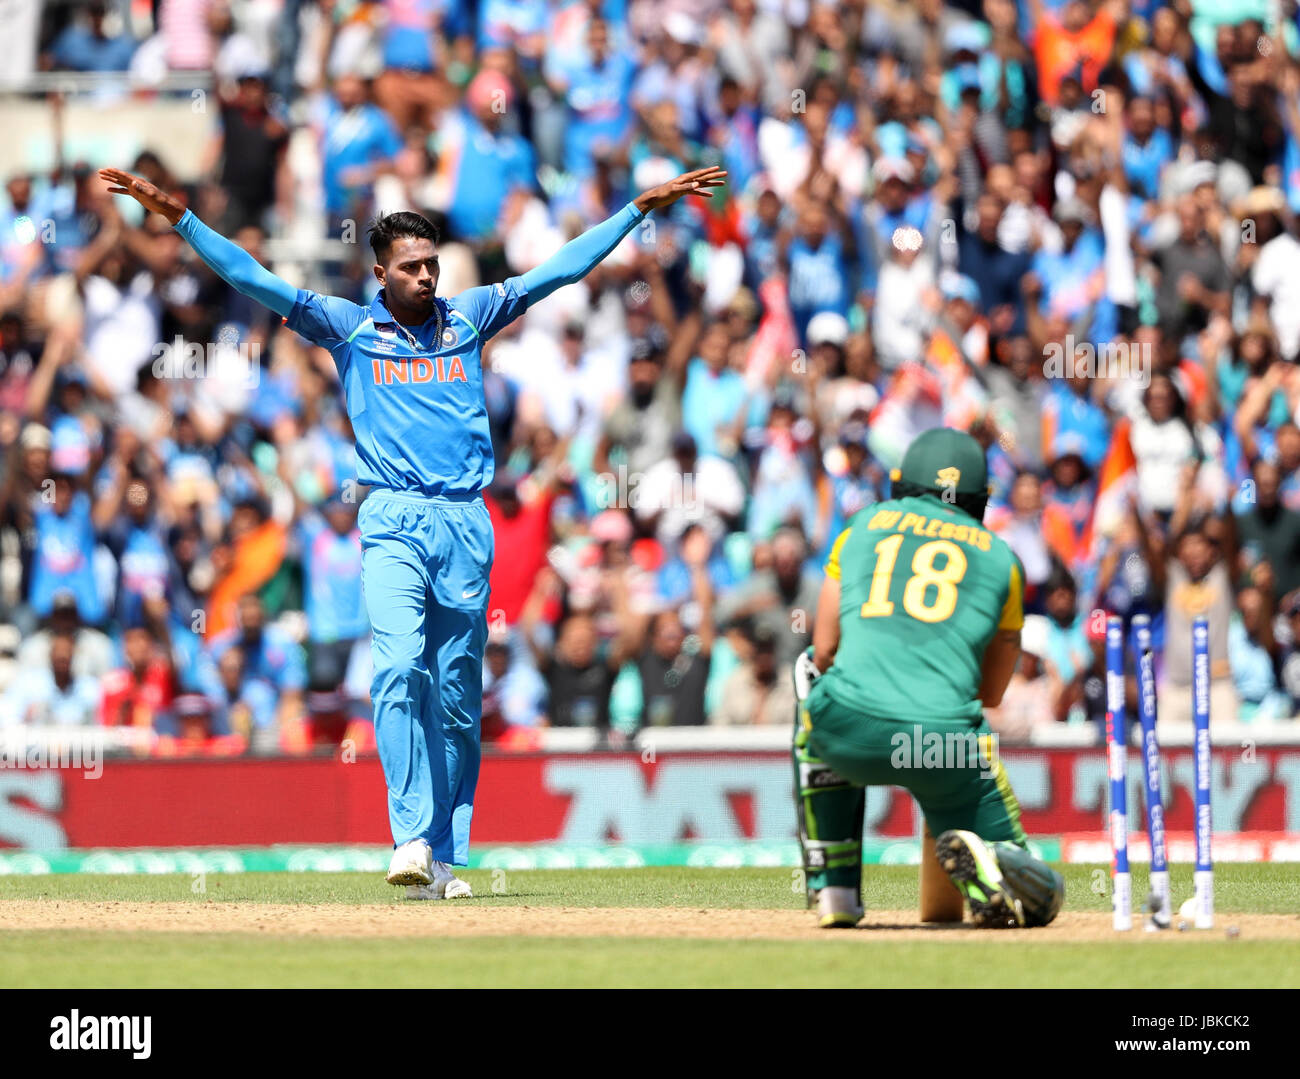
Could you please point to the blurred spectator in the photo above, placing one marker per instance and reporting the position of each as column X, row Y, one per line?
column 137, row 694
column 261, row 690
column 674, row 581
column 514, row 694
column 1194, row 281
column 981, row 257
column 190, row 730
column 759, row 691
column 1270, row 531
column 580, row 674
column 358, row 144
column 63, row 559
column 1020, row 523
column 92, row 651
column 1065, row 649
column 242, row 705
column 780, row 598
column 1196, row 583
column 1290, row 665
column 52, row 695
column 338, row 631
column 641, row 427
column 1255, row 658
column 688, row 488
column 674, row 666
column 522, row 530
column 596, row 88
column 251, row 149
column 249, row 558
column 97, row 41
column 1031, row 697
column 483, row 161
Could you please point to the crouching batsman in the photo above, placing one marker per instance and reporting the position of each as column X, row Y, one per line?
column 411, row 373
column 917, row 629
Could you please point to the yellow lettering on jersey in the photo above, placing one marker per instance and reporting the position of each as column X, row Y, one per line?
column 884, row 519
column 909, row 521
column 932, row 529
column 961, row 533
column 947, row 531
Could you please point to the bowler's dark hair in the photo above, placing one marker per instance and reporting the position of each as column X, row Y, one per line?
column 399, row 226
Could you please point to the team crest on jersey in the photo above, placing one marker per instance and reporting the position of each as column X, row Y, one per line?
column 948, row 477
column 449, row 337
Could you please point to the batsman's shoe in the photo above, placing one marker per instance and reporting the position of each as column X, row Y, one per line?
column 973, row 867
column 838, row 908
column 452, row 886
column 412, row 863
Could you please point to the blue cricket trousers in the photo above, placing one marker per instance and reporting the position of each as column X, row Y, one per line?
column 424, row 572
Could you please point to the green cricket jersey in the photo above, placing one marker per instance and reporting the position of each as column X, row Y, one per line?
column 923, row 588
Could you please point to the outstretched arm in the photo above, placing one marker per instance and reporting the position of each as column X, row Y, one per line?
column 228, row 260
column 577, row 258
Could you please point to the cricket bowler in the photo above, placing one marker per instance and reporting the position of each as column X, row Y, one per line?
column 917, row 630
column 410, row 365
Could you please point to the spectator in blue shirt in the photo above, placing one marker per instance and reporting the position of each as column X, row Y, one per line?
column 64, row 556
column 241, row 704
column 597, row 92
column 714, row 399
column 336, row 615
column 86, row 46
column 270, row 657
column 1074, row 279
column 820, row 274
column 358, row 143
column 490, row 162
column 674, row 584
column 136, row 540
column 1147, row 149
column 996, row 271
column 517, row 25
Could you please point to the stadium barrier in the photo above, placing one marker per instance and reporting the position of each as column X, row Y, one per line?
column 664, row 800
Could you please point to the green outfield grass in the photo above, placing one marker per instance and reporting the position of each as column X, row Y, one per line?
column 182, row 960
column 32, row 958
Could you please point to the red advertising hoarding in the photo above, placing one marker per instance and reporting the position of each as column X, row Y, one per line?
column 579, row 798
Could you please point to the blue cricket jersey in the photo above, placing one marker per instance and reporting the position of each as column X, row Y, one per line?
column 415, row 394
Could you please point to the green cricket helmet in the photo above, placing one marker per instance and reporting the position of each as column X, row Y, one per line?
column 947, row 464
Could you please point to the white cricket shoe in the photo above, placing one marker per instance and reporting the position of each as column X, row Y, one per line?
column 445, row 885
column 452, row 886
column 838, row 908
column 411, row 864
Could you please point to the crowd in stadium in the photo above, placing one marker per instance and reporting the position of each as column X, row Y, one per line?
column 1065, row 227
